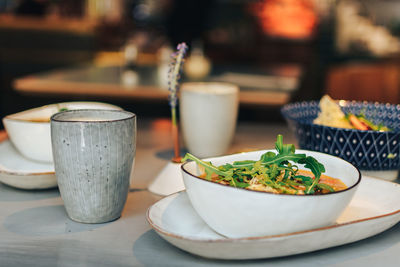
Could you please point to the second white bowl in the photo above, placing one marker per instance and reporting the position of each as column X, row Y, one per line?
column 29, row 130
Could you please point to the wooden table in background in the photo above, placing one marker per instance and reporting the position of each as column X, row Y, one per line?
column 369, row 81
column 105, row 81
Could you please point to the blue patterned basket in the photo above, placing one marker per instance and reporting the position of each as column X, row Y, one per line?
column 368, row 150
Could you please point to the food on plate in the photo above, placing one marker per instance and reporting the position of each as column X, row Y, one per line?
column 47, row 118
column 332, row 115
column 273, row 172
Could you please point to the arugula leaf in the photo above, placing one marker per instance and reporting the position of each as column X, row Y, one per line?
column 281, row 148
column 243, row 163
column 284, row 157
column 307, row 180
column 208, row 166
column 316, row 168
column 326, row 187
column 276, row 171
column 239, row 183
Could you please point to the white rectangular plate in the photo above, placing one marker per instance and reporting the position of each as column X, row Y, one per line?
column 374, row 208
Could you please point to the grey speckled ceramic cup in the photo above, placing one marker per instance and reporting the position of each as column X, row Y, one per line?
column 93, row 152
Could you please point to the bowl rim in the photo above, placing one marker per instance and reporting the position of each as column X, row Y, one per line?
column 14, row 116
column 347, row 103
column 270, row 193
column 285, row 108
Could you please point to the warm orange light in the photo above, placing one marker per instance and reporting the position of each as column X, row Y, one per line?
column 286, row 18
column 162, row 125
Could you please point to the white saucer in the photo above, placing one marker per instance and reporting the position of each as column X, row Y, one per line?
column 374, row 208
column 20, row 172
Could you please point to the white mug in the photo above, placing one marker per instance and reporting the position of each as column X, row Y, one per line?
column 208, row 115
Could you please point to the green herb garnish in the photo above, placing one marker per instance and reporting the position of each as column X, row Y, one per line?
column 274, row 170
column 361, row 122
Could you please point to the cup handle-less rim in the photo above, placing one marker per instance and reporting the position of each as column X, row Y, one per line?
column 58, row 116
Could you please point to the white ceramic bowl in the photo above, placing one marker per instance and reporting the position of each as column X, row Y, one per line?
column 29, row 130
column 239, row 213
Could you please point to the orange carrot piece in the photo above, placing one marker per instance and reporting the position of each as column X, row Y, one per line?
column 357, row 123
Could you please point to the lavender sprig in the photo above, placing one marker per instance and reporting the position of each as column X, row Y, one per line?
column 174, row 76
column 174, row 73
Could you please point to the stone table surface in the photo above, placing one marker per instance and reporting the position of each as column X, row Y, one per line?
column 35, row 229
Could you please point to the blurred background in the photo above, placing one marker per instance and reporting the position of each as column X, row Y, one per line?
column 277, row 51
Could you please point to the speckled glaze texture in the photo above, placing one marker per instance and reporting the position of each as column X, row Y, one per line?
column 93, row 161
